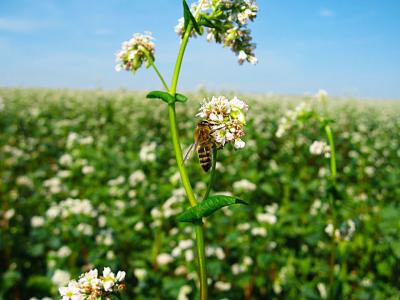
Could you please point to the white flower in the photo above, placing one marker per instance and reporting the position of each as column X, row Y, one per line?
column 60, row 278
column 318, row 148
column 184, row 291
column 71, row 292
column 90, row 284
column 322, row 290
column 244, row 185
column 89, row 281
column 136, row 177
column 322, row 95
column 185, row 244
column 164, row 259
column 239, row 144
column 138, row 226
column 64, row 251
column 140, row 273
column 37, row 221
column 120, row 276
column 222, row 286
column 329, row 229
column 242, row 56
column 87, row 170
column 65, row 160
column 259, row 231
column 266, row 218
column 108, row 279
column 227, row 119
column 135, row 52
column 147, row 152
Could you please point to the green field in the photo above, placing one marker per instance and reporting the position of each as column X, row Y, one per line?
column 88, row 179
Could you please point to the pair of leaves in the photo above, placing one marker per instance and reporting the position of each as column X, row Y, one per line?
column 167, row 97
column 188, row 16
column 208, row 207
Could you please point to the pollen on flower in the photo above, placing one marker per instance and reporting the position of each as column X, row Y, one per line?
column 228, row 118
column 135, row 52
column 92, row 286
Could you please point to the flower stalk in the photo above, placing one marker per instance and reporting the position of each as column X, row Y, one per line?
column 140, row 50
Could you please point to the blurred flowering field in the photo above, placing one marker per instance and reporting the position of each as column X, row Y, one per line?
column 88, row 180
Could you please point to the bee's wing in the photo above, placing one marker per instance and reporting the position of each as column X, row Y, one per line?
column 190, row 151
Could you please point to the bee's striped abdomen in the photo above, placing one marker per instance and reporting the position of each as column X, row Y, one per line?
column 204, row 152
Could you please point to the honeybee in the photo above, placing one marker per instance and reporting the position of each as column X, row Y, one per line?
column 204, row 144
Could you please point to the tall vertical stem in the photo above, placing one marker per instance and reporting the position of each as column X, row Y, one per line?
column 333, row 176
column 179, row 159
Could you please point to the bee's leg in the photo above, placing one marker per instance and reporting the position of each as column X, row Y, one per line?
column 188, row 152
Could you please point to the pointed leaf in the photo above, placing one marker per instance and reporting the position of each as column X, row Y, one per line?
column 188, row 16
column 204, row 21
column 208, row 207
column 164, row 96
column 180, row 98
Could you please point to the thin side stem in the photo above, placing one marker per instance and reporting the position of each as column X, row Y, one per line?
column 212, row 175
column 151, row 61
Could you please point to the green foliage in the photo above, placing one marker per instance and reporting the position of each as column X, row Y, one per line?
column 207, row 207
column 119, row 158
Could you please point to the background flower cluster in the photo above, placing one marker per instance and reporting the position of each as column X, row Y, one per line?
column 88, row 180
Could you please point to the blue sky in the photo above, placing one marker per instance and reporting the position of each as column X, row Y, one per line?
column 348, row 47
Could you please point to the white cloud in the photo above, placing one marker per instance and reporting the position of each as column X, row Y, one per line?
column 326, row 13
column 17, row 25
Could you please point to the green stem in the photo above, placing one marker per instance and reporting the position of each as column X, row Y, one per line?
column 179, row 159
column 333, row 178
column 329, row 135
column 151, row 61
column 212, row 175
column 178, row 152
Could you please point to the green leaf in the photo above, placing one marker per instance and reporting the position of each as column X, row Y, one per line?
column 208, row 207
column 204, row 21
column 164, row 96
column 188, row 16
column 180, row 98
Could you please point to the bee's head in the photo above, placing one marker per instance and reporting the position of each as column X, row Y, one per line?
column 204, row 123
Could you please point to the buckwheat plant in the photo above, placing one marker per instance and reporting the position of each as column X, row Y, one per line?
column 224, row 22
column 91, row 286
column 314, row 110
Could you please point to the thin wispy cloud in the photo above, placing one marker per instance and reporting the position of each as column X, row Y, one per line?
column 18, row 25
column 326, row 13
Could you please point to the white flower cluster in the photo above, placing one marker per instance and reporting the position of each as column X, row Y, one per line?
column 269, row 216
column 134, row 52
column 345, row 232
column 292, row 117
column 319, row 148
column 244, row 185
column 230, row 19
column 71, row 207
column 91, row 286
column 228, row 118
